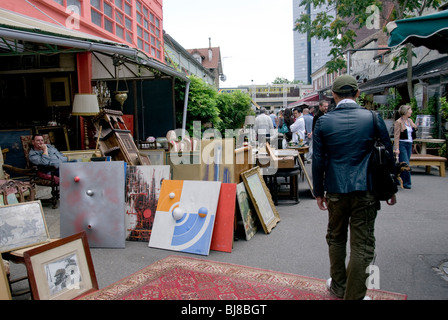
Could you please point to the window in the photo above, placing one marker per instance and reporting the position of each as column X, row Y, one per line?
column 148, row 31
column 117, row 17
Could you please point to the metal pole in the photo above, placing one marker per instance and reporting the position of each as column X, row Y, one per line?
column 184, row 120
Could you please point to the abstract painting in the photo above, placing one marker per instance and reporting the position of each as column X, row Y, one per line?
column 185, row 216
column 92, row 200
column 222, row 239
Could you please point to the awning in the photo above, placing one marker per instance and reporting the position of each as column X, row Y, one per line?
column 311, row 101
column 430, row 31
column 430, row 69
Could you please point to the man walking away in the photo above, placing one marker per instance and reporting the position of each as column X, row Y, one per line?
column 342, row 144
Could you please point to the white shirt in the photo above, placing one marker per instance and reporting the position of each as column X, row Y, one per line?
column 263, row 124
column 298, row 129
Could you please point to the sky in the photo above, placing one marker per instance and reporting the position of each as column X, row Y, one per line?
column 255, row 36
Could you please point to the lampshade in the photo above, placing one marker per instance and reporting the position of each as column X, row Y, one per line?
column 85, row 105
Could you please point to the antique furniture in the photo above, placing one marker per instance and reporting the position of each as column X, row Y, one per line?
column 115, row 140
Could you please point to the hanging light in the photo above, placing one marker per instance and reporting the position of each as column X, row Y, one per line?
column 120, row 96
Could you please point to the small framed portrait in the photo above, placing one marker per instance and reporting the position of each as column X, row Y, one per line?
column 62, row 269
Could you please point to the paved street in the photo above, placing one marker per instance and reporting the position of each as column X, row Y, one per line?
column 412, row 243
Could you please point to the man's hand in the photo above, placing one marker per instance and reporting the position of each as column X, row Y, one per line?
column 392, row 200
column 322, row 203
column 44, row 148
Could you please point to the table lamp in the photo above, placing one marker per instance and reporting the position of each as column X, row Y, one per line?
column 85, row 104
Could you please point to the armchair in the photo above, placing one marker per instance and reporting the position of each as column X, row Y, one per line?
column 37, row 175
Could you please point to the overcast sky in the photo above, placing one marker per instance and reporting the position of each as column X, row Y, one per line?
column 255, row 36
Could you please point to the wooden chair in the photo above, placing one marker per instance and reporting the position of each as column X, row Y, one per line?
column 14, row 191
column 18, row 188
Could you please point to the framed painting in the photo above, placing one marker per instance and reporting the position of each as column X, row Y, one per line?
column 261, row 199
column 62, row 269
column 142, row 191
column 5, row 292
column 22, row 225
column 10, row 139
column 247, row 214
column 156, row 156
column 57, row 92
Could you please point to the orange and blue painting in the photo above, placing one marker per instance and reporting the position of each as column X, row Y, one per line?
column 185, row 216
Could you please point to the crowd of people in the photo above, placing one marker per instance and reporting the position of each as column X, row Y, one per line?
column 295, row 124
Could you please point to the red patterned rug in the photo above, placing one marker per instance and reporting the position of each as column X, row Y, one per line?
column 185, row 278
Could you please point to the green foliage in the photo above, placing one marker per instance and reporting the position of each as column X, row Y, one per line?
column 442, row 151
column 444, row 108
column 233, row 107
column 339, row 29
column 401, row 58
column 280, row 80
column 202, row 100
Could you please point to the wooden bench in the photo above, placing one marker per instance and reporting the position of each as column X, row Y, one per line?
column 429, row 160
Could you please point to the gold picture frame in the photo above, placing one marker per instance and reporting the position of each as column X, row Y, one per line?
column 57, row 92
column 62, row 269
column 261, row 199
column 5, row 292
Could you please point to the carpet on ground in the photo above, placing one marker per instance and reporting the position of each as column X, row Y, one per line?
column 185, row 278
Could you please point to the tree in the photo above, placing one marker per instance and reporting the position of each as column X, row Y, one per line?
column 222, row 111
column 280, row 80
column 202, row 100
column 353, row 15
column 233, row 107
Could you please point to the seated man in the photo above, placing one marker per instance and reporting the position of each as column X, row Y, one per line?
column 42, row 154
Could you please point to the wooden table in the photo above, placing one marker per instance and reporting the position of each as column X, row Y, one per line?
column 425, row 141
column 427, row 160
column 301, row 150
column 16, row 256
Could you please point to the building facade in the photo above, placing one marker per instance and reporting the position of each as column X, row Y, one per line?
column 136, row 23
column 309, row 55
column 80, row 46
column 273, row 97
column 210, row 59
column 180, row 59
